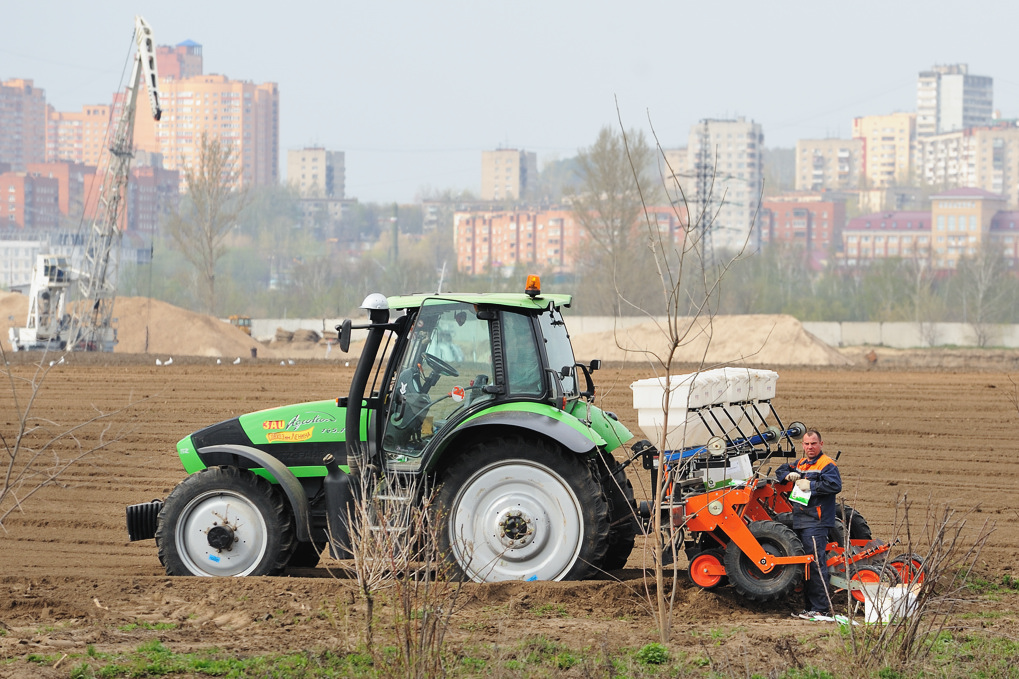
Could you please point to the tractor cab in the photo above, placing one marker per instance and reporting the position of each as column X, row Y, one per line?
column 453, row 356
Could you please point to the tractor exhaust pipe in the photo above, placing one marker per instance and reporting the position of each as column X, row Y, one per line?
column 378, row 314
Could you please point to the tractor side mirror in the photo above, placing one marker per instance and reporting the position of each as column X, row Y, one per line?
column 343, row 335
column 594, row 365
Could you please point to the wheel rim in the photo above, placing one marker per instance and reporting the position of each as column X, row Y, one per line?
column 698, row 570
column 751, row 569
column 516, row 520
column 221, row 533
column 866, row 576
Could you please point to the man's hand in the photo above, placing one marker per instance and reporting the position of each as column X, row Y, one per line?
column 804, row 485
column 792, row 476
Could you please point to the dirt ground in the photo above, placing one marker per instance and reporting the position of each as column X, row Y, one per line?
column 71, row 578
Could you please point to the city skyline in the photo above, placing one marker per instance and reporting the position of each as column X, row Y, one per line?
column 412, row 94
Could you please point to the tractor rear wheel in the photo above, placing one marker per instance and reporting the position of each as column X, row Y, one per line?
column 622, row 516
column 747, row 578
column 516, row 509
column 859, row 529
column 224, row 521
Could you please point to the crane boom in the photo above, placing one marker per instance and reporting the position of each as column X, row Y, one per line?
column 91, row 326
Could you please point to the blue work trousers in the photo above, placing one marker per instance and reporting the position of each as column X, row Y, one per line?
column 814, row 539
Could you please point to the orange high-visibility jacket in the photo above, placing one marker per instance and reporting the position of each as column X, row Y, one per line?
column 825, row 484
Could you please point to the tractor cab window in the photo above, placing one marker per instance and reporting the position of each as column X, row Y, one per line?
column 558, row 349
column 523, row 366
column 446, row 365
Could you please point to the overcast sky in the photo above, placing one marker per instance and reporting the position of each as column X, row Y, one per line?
column 414, row 90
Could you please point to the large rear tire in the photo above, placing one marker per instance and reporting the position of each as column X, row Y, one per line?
column 515, row 509
column 223, row 521
column 747, row 578
column 623, row 525
column 859, row 529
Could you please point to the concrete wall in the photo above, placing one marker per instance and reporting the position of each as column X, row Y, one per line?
column 910, row 335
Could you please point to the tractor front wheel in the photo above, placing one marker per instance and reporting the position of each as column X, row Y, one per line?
column 747, row 578
column 516, row 509
column 224, row 521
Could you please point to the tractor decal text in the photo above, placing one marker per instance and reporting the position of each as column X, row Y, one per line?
column 290, row 436
column 314, row 418
column 274, row 424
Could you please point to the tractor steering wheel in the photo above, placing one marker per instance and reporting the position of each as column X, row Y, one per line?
column 440, row 366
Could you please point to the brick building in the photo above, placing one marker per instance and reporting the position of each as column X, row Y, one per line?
column 28, row 202
column 809, row 222
column 884, row 235
column 507, row 173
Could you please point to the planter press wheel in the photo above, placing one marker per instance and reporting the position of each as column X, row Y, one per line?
column 909, row 566
column 699, row 565
column 747, row 578
column 872, row 575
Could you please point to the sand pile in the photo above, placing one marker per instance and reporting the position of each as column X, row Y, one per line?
column 766, row 340
column 163, row 328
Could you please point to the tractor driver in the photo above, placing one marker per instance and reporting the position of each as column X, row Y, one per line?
column 817, row 474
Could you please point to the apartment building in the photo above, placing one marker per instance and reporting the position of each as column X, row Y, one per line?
column 724, row 176
column 549, row 240
column 888, row 144
column 240, row 113
column 835, row 164
column 962, row 220
column 948, row 98
column 28, row 202
column 497, row 241
column 1004, row 232
column 811, row 223
column 886, row 235
column 22, row 123
column 79, row 136
column 507, row 173
column 72, row 179
column 316, row 172
column 183, row 60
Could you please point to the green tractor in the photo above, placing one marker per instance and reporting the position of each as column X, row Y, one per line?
column 477, row 396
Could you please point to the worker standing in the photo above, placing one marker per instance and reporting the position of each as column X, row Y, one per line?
column 817, row 482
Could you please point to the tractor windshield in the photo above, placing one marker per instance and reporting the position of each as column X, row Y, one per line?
column 445, row 368
column 558, row 348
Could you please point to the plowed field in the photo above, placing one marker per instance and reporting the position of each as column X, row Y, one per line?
column 71, row 577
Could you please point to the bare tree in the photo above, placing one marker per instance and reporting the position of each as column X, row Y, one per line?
column 210, row 210
column 608, row 206
column 982, row 280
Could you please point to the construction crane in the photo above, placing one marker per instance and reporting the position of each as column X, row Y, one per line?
column 91, row 323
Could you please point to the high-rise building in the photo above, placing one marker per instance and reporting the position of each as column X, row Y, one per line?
column 506, row 174
column 22, row 124
column 888, row 147
column 316, row 172
column 79, row 136
column 948, row 98
column 980, row 157
column 828, row 164
column 240, row 113
column 723, row 179
column 182, row 61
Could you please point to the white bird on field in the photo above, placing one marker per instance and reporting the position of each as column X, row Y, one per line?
column 158, row 362
column 237, row 360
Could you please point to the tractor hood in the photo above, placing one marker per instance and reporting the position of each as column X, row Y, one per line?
column 298, row 435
